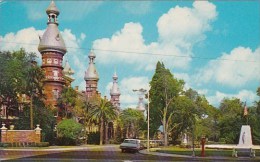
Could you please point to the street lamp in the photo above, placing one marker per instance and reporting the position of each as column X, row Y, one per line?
column 148, row 116
column 193, row 151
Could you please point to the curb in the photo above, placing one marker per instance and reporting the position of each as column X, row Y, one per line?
column 57, row 148
column 198, row 157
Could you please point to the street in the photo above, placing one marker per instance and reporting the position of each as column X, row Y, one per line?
column 92, row 153
column 103, row 153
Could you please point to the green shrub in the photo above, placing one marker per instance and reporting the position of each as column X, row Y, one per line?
column 68, row 131
column 7, row 144
column 93, row 138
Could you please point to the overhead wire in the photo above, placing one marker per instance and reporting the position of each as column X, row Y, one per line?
column 139, row 53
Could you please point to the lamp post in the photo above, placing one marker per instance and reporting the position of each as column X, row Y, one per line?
column 148, row 116
column 193, row 151
column 31, row 112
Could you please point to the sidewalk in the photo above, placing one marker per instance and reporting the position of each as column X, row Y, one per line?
column 57, row 148
column 210, row 158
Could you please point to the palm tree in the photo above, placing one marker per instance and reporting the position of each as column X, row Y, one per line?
column 34, row 85
column 86, row 107
column 104, row 112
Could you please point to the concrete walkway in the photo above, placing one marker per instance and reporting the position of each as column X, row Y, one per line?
column 210, row 158
column 58, row 148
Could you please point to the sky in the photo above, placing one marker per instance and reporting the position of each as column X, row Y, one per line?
column 214, row 46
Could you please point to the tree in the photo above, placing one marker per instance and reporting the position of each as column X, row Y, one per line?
column 103, row 113
column 254, row 120
column 231, row 119
column 12, row 66
column 17, row 77
column 184, row 116
column 206, row 116
column 207, row 125
column 42, row 115
column 164, row 88
column 82, row 111
column 68, row 131
column 34, row 85
column 133, row 121
column 67, row 101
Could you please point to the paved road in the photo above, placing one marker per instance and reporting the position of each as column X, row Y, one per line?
column 105, row 153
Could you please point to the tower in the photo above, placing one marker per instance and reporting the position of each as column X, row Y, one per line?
column 52, row 49
column 115, row 93
column 91, row 77
column 140, row 106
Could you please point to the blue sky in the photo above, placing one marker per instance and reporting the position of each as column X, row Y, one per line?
column 214, row 46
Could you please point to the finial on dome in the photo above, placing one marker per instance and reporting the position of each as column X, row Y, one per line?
column 115, row 77
column 52, row 9
column 52, row 12
column 91, row 54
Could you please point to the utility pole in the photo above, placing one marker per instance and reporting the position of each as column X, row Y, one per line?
column 148, row 123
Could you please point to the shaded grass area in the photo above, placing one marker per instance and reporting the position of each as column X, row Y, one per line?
column 208, row 152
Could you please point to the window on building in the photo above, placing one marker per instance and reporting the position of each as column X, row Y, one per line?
column 49, row 61
column 55, row 74
column 55, row 93
column 55, row 61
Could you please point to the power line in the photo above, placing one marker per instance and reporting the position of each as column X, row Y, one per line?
column 140, row 53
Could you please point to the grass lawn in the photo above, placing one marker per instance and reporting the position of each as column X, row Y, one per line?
column 208, row 152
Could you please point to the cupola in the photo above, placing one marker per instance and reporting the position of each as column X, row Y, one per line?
column 115, row 89
column 91, row 73
column 52, row 39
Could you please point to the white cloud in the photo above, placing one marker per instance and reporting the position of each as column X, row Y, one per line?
column 243, row 95
column 227, row 71
column 28, row 39
column 129, row 98
column 186, row 26
column 176, row 38
column 2, row 2
column 137, row 7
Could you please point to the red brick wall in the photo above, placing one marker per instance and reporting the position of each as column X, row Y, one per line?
column 11, row 136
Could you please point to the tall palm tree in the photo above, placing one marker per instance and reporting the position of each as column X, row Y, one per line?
column 86, row 109
column 104, row 112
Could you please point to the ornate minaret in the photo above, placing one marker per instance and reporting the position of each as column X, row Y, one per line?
column 115, row 93
column 140, row 106
column 91, row 77
column 68, row 72
column 52, row 49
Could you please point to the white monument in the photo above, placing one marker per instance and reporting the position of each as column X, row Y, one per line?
column 185, row 139
column 245, row 140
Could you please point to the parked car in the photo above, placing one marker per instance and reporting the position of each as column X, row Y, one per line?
column 131, row 145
